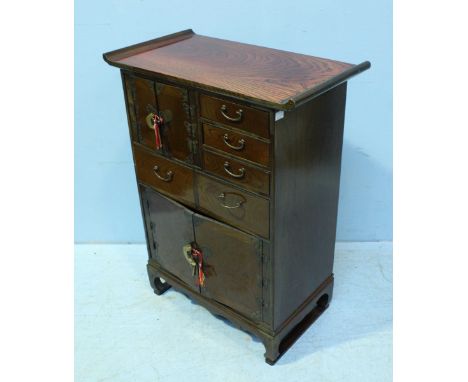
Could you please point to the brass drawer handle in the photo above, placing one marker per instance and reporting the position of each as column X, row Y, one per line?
column 232, row 119
column 167, row 178
column 240, row 141
column 222, row 199
column 238, row 176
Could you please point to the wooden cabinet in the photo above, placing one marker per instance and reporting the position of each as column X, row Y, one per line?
column 237, row 152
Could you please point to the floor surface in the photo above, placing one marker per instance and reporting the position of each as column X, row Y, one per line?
column 124, row 332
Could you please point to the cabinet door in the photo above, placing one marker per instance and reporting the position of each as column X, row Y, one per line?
column 232, row 264
column 171, row 103
column 171, row 228
column 173, row 106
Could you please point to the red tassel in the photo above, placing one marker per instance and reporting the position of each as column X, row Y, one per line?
column 158, row 122
column 199, row 256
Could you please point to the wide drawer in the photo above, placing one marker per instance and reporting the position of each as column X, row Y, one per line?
column 238, row 144
column 232, row 206
column 164, row 175
column 237, row 115
column 237, row 172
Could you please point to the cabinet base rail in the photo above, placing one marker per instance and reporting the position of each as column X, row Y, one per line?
column 276, row 342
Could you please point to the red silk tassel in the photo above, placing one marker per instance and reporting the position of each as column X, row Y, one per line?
column 158, row 122
column 199, row 256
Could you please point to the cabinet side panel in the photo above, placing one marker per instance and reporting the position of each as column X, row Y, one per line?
column 308, row 144
column 128, row 88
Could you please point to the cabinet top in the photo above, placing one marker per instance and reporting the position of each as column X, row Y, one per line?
column 269, row 77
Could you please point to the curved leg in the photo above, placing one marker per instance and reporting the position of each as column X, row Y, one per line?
column 272, row 352
column 159, row 286
column 277, row 346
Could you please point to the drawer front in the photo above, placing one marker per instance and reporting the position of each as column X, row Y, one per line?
column 232, row 206
column 164, row 175
column 232, row 266
column 237, row 144
column 237, row 172
column 233, row 114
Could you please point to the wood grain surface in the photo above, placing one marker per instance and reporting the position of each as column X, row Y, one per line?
column 252, row 178
column 232, row 265
column 179, row 185
column 246, row 147
column 252, row 120
column 257, row 73
column 251, row 213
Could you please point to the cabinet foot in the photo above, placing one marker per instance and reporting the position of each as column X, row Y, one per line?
column 272, row 353
column 159, row 285
column 278, row 345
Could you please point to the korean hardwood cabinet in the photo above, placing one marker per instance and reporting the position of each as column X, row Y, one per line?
column 237, row 152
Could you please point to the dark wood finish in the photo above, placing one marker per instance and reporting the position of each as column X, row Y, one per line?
column 251, row 213
column 244, row 175
column 171, row 229
column 271, row 77
column 254, row 150
column 144, row 101
column 276, row 342
column 266, row 232
column 233, row 262
column 172, row 103
column 180, row 185
column 249, row 119
column 308, row 141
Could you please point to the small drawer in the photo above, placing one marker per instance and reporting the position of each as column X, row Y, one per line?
column 237, row 172
column 233, row 114
column 237, row 144
column 164, row 175
column 232, row 206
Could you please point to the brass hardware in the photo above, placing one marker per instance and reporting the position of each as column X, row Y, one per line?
column 150, row 120
column 240, row 141
column 165, row 114
column 222, row 198
column 232, row 119
column 238, row 176
column 167, row 178
column 187, row 251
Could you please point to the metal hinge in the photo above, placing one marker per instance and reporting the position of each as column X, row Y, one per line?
column 189, row 109
column 159, row 88
column 262, row 257
column 190, row 128
column 261, row 301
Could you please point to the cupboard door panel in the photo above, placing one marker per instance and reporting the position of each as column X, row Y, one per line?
column 172, row 104
column 171, row 229
column 176, row 131
column 145, row 103
column 232, row 266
